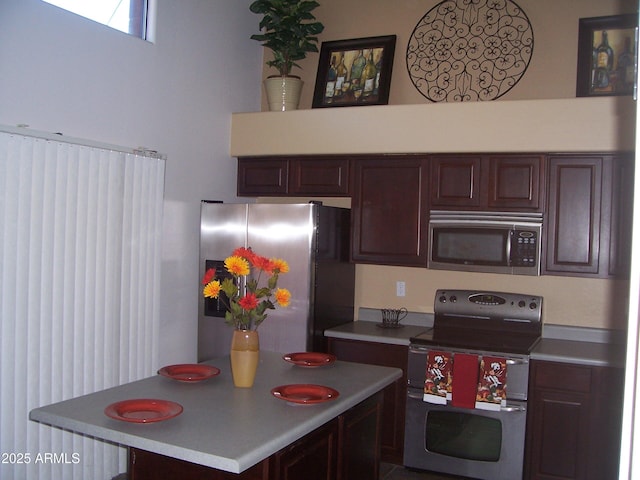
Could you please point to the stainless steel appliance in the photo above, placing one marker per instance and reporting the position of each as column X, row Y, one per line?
column 494, row 242
column 313, row 239
column 472, row 442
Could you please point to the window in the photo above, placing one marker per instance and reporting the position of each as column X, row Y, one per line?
column 128, row 16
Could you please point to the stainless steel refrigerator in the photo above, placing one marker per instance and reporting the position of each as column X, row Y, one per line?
column 313, row 239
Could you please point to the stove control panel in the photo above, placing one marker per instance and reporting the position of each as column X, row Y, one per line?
column 507, row 306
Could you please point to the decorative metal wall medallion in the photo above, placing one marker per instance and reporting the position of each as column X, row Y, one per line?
column 469, row 50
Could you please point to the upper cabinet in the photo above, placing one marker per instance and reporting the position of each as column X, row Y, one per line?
column 263, row 176
column 304, row 176
column 389, row 210
column 586, row 199
column 588, row 218
column 487, row 182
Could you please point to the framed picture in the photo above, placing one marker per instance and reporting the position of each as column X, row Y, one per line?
column 354, row 72
column 607, row 56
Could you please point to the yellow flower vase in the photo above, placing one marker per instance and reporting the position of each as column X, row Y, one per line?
column 245, row 353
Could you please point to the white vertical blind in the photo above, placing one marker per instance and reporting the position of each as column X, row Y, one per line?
column 79, row 287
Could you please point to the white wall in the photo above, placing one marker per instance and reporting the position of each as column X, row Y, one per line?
column 62, row 73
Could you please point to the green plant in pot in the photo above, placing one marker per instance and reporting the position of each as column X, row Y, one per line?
column 289, row 30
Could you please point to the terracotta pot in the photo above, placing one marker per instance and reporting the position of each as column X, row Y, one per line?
column 245, row 353
column 283, row 93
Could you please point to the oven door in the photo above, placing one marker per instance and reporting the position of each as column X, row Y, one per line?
column 469, row 442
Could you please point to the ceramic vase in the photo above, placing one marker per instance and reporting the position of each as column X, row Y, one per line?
column 245, row 353
column 283, row 93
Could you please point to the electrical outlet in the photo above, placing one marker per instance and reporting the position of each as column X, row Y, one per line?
column 400, row 289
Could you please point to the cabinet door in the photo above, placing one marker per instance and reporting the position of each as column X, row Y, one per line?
column 516, row 182
column 314, row 457
column 574, row 422
column 389, row 211
column 620, row 216
column 574, row 215
column 455, row 181
column 322, row 176
column 262, row 177
column 558, row 423
column 359, row 449
column 394, row 396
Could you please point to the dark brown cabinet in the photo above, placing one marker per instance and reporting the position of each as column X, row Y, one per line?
column 487, row 182
column 389, row 210
column 588, row 221
column 319, row 176
column 394, row 396
column 574, row 421
column 258, row 176
column 313, row 456
column 282, row 176
column 347, row 447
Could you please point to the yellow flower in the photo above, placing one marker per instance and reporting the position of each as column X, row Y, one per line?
column 283, row 297
column 237, row 266
column 280, row 265
column 212, row 289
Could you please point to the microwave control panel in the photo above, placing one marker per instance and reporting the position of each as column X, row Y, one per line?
column 524, row 248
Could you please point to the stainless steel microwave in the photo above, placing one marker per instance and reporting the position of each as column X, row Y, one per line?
column 492, row 242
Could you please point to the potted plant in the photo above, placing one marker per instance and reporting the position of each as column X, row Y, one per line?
column 289, row 30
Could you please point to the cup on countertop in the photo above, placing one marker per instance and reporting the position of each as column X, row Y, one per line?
column 391, row 316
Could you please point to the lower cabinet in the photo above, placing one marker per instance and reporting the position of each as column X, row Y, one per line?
column 347, row 447
column 394, row 396
column 574, row 421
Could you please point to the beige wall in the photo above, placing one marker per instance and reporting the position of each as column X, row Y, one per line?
column 567, row 300
column 551, row 73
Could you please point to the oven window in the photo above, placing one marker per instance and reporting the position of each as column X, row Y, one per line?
column 472, row 246
column 463, row 435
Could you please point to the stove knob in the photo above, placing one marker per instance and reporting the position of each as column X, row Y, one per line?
column 453, row 299
column 443, row 299
column 521, row 303
column 533, row 305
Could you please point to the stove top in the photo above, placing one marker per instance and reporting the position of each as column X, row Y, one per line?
column 485, row 321
column 478, row 341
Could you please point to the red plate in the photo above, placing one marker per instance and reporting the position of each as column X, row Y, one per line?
column 305, row 393
column 310, row 359
column 188, row 372
column 143, row 410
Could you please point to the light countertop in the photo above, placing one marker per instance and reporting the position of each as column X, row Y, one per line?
column 221, row 426
column 372, row 332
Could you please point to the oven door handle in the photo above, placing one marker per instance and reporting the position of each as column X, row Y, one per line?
column 516, row 361
column 415, row 394
column 513, row 408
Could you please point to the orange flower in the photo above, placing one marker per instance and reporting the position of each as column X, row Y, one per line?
column 248, row 302
column 244, row 253
column 237, row 265
column 279, row 265
column 263, row 263
column 283, row 297
column 208, row 276
column 212, row 289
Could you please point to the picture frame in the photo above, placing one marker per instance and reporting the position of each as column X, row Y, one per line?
column 607, row 56
column 354, row 72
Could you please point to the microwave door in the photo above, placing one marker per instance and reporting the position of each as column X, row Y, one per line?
column 472, row 246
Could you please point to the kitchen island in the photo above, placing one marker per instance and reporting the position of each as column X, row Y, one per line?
column 228, row 429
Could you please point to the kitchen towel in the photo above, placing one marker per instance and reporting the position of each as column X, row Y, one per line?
column 437, row 386
column 465, row 380
column 492, row 387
